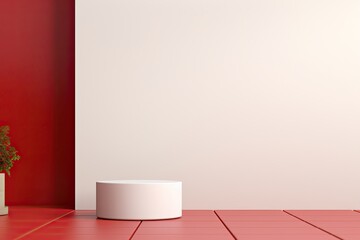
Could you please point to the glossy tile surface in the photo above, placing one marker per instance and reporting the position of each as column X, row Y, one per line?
column 194, row 224
column 85, row 225
column 269, row 225
column 21, row 220
column 343, row 224
column 49, row 224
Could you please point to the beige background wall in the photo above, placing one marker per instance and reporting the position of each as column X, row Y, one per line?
column 252, row 104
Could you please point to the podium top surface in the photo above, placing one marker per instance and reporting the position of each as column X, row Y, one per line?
column 139, row 181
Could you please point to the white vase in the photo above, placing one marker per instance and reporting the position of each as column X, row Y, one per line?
column 3, row 208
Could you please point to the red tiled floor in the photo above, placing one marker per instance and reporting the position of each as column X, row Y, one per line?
column 183, row 237
column 344, row 224
column 178, row 224
column 85, row 225
column 182, row 231
column 197, row 224
column 21, row 220
column 50, row 224
column 250, row 212
column 269, row 225
column 323, row 212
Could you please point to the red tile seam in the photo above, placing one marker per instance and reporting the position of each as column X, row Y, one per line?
column 225, row 225
column 43, row 225
column 313, row 225
column 133, row 234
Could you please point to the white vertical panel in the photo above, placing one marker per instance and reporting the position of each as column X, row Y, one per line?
column 252, row 104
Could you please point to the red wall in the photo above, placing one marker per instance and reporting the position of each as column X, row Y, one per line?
column 37, row 95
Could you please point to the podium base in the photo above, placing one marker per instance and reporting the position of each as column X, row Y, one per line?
column 4, row 210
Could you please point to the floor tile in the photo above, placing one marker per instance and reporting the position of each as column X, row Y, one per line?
column 336, row 224
column 181, row 231
column 94, row 224
column 331, row 218
column 281, row 231
column 197, row 212
column 342, row 223
column 179, row 224
column 270, row 225
column 249, row 212
column 195, row 224
column 266, row 218
column 286, row 237
column 86, row 231
column 85, row 225
column 350, row 237
column 203, row 224
column 322, row 212
column 182, row 237
column 21, row 220
column 74, row 237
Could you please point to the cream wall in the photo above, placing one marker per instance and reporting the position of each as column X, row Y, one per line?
column 252, row 103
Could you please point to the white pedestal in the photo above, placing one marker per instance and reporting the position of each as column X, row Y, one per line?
column 139, row 199
column 3, row 208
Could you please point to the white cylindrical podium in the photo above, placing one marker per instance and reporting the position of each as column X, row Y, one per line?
column 3, row 209
column 139, row 199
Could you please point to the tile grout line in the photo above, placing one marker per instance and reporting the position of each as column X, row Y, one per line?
column 133, row 234
column 225, row 225
column 43, row 225
column 312, row 225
